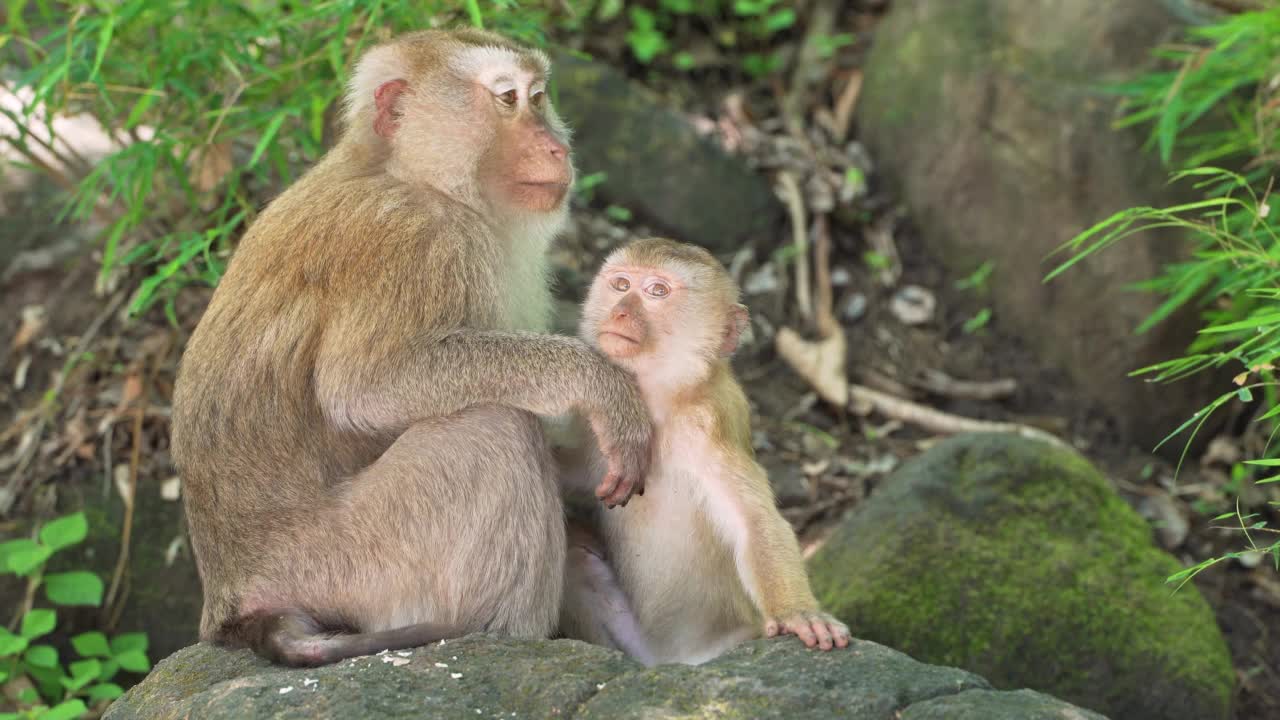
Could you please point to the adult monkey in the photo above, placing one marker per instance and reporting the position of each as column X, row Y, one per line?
column 354, row 419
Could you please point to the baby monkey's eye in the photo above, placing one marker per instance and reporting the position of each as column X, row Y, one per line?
column 620, row 284
column 508, row 97
column 659, row 290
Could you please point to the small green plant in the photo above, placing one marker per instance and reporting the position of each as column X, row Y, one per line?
column 617, row 213
column 876, row 260
column 977, row 323
column 586, row 185
column 977, row 280
column 51, row 688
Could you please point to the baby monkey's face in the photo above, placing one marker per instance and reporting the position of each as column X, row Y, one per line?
column 664, row 310
column 633, row 307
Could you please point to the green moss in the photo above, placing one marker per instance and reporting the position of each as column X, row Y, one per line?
column 1017, row 561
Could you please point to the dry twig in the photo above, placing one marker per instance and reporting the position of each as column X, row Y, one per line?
column 842, row 114
column 940, row 383
column 799, row 237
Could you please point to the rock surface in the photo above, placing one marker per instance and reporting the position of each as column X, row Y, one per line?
column 657, row 164
column 1015, row 559
column 489, row 677
column 998, row 136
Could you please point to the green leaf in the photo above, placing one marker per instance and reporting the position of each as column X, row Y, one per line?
column 141, row 106
column 83, row 672
column 41, row 656
column 646, row 44
column 318, row 106
column 23, row 555
column 473, row 12
column 38, row 622
column 267, row 136
column 1249, row 323
column 74, row 588
column 1266, row 462
column 64, row 531
column 109, row 670
column 66, row 710
column 105, row 691
column 134, row 661
column 91, row 644
column 85, row 669
column 104, row 41
column 129, row 642
column 1244, row 394
column 780, row 20
column 11, row 644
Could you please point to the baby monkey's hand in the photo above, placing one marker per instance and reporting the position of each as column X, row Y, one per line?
column 814, row 628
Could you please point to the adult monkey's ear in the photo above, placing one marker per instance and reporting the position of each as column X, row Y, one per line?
column 386, row 100
column 737, row 323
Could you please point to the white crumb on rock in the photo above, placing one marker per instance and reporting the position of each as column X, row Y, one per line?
column 395, row 661
column 455, row 676
column 286, row 690
column 442, row 665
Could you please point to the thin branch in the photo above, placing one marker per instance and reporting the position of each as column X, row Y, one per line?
column 800, row 239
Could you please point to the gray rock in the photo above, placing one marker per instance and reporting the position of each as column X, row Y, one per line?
column 987, row 116
column 487, row 677
column 657, row 164
column 1015, row 559
column 985, row 704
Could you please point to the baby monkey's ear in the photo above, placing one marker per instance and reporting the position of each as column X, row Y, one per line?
column 738, row 322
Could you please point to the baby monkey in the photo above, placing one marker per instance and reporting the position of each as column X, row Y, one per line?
column 703, row 560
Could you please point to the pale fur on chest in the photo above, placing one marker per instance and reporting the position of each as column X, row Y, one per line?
column 674, row 560
column 523, row 277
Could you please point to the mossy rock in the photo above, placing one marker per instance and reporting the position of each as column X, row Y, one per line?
column 992, row 122
column 489, row 677
column 1015, row 559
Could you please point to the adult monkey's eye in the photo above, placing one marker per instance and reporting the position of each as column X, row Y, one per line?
column 536, row 98
column 620, row 284
column 508, row 97
column 659, row 290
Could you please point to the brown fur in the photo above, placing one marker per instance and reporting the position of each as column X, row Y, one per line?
column 354, row 418
column 704, row 560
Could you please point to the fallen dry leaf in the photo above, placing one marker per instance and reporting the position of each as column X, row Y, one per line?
column 34, row 319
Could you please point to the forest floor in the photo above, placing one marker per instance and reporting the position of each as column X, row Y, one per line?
column 107, row 423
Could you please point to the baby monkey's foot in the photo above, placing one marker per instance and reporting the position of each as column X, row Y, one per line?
column 815, row 629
